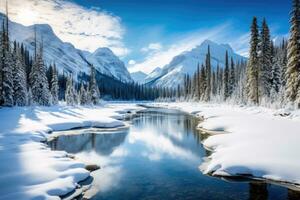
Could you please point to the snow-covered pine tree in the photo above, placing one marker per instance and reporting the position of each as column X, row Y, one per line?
column 94, row 90
column 240, row 91
column 194, row 86
column 226, row 78
column 19, row 77
column 202, row 83
column 232, row 80
column 83, row 99
column 69, row 93
column 276, row 71
column 54, row 85
column 75, row 95
column 208, row 75
column 276, row 81
column 198, row 82
column 265, row 65
column 293, row 55
column 214, row 84
column 252, row 68
column 38, row 81
column 220, row 82
column 283, row 62
column 7, row 65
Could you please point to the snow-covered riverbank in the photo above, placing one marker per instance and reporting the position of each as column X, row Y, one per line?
column 29, row 169
column 259, row 142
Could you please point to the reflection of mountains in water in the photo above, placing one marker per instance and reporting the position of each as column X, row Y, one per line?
column 103, row 144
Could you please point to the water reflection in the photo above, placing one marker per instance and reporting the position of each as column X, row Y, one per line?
column 103, row 144
column 258, row 191
column 158, row 158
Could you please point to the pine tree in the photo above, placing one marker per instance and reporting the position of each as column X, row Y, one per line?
column 7, row 65
column 7, row 78
column 208, row 75
column 283, row 62
column 69, row 95
column 202, row 83
column 38, row 81
column 252, row 68
column 19, row 77
column 198, row 82
column 232, row 80
column 276, row 80
column 54, row 86
column 83, row 96
column 293, row 55
column 220, row 81
column 75, row 96
column 265, row 65
column 94, row 90
column 226, row 78
column 214, row 83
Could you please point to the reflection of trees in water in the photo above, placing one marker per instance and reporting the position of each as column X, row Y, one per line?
column 101, row 143
column 258, row 191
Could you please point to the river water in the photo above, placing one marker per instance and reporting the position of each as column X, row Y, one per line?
column 158, row 157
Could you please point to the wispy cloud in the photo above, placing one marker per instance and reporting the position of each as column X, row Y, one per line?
column 131, row 62
column 164, row 55
column 86, row 29
column 241, row 44
column 152, row 47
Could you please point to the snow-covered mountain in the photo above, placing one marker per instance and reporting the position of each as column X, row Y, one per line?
column 66, row 57
column 153, row 75
column 173, row 73
column 138, row 77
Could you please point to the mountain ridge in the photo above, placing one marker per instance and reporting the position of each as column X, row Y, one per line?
column 173, row 73
column 67, row 58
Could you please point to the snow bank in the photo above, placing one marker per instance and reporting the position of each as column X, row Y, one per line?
column 29, row 169
column 257, row 141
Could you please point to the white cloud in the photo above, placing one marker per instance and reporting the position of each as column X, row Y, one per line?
column 86, row 29
column 162, row 57
column 241, row 44
column 152, row 47
column 131, row 62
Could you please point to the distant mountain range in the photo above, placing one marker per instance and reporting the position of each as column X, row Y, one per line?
column 173, row 73
column 138, row 77
column 66, row 57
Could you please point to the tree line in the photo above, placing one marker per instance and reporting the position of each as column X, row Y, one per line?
column 26, row 80
column 271, row 76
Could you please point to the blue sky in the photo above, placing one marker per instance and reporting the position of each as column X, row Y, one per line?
column 148, row 34
column 165, row 21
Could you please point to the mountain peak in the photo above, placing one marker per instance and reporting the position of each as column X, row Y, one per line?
column 138, row 76
column 103, row 50
column 173, row 73
column 67, row 58
column 213, row 46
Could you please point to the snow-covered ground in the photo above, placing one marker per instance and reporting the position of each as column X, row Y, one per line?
column 255, row 141
column 29, row 169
